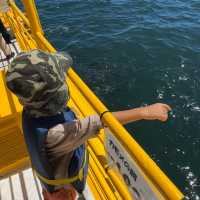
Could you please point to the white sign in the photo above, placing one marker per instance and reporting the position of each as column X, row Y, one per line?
column 128, row 168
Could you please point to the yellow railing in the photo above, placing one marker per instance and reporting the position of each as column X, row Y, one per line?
column 16, row 20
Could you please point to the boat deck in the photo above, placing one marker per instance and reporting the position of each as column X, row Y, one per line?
column 22, row 186
column 25, row 186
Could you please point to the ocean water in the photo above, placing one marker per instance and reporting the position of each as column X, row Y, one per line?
column 133, row 53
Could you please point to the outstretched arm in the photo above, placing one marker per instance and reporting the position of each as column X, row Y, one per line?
column 157, row 111
column 70, row 135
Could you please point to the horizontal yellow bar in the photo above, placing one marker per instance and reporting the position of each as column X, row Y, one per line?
column 144, row 161
column 45, row 42
column 12, row 168
column 119, row 184
column 19, row 13
column 32, row 15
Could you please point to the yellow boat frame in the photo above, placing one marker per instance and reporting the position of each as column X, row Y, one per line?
column 103, row 180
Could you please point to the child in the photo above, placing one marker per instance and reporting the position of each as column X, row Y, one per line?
column 55, row 138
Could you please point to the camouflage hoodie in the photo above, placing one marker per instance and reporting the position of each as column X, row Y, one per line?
column 38, row 80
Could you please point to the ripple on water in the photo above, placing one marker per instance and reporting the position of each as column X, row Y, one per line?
column 193, row 183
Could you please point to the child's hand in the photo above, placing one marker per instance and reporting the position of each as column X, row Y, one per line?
column 155, row 111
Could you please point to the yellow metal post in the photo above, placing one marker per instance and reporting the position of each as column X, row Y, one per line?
column 32, row 16
column 19, row 13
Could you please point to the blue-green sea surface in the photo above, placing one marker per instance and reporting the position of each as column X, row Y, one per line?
column 133, row 53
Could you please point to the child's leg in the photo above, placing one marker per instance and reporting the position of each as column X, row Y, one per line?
column 6, row 50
